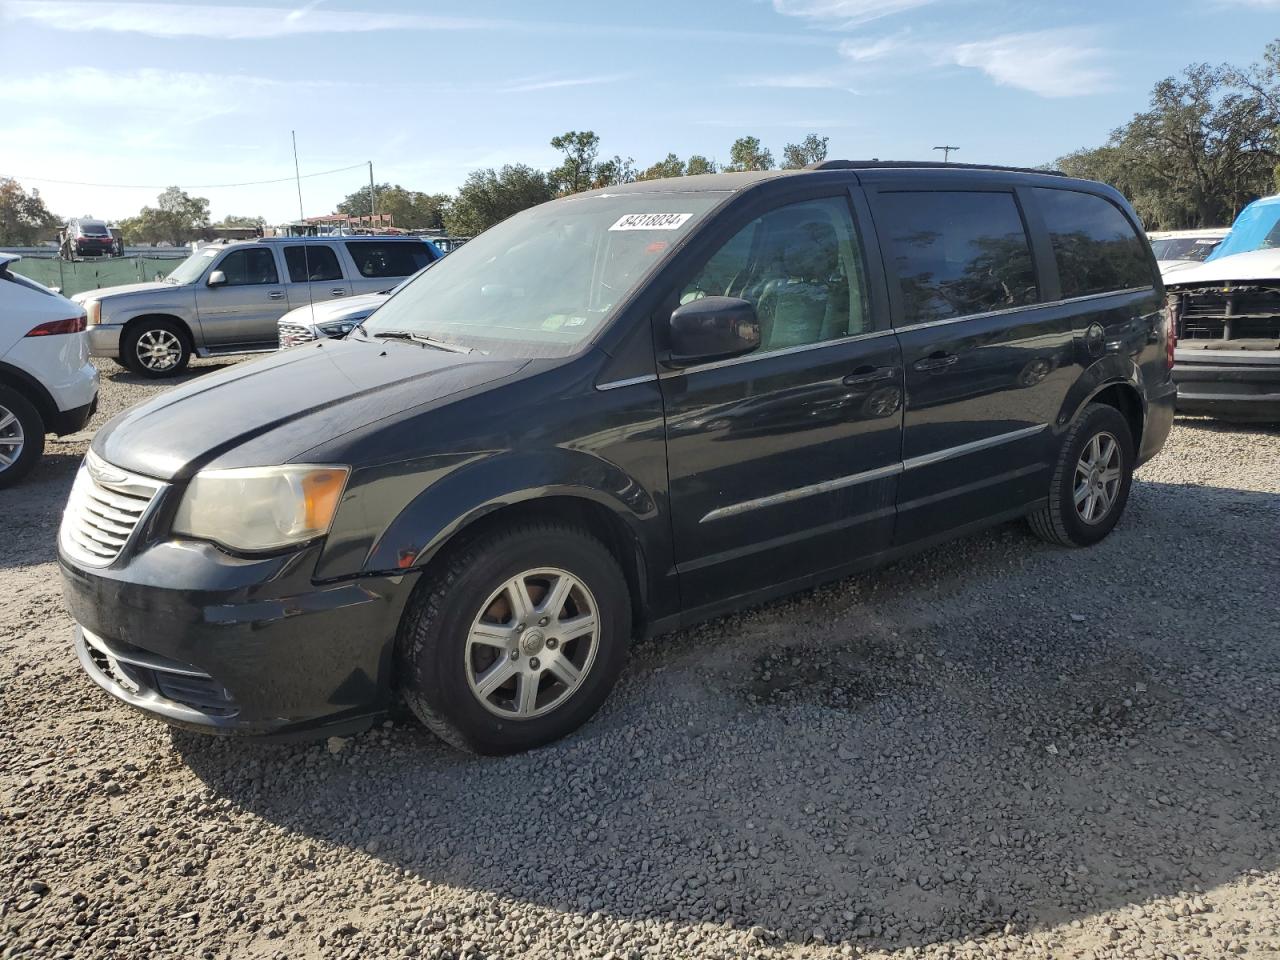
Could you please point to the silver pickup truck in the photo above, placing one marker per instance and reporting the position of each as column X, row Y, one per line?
column 227, row 298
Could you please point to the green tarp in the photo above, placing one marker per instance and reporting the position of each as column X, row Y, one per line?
column 75, row 276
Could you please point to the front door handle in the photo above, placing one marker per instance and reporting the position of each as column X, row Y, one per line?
column 935, row 361
column 275, row 295
column 338, row 292
column 866, row 375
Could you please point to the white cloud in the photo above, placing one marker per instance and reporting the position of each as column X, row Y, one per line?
column 865, row 52
column 188, row 97
column 1051, row 63
column 532, row 84
column 845, row 13
column 221, row 22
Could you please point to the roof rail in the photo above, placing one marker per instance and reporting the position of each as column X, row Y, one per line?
column 921, row 165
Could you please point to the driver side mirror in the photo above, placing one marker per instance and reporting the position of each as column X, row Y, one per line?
column 216, row 279
column 712, row 328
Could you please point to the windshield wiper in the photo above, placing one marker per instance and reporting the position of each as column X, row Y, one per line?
column 417, row 338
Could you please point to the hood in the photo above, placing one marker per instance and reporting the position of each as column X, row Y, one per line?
column 123, row 288
column 1240, row 268
column 332, row 311
column 271, row 411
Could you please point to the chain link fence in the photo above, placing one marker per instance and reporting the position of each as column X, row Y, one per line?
column 70, row 277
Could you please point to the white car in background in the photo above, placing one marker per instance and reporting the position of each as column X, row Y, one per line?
column 320, row 321
column 328, row 319
column 47, row 384
column 1178, row 249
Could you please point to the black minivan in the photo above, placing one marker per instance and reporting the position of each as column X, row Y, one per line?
column 612, row 415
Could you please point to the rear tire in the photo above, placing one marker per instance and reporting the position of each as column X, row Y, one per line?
column 1091, row 479
column 472, row 643
column 156, row 348
column 22, row 432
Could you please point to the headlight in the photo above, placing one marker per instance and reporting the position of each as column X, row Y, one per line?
column 93, row 310
column 339, row 329
column 261, row 508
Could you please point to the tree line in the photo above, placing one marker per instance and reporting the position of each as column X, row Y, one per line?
column 485, row 197
column 1207, row 145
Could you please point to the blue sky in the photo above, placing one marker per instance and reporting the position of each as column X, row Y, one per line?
column 202, row 92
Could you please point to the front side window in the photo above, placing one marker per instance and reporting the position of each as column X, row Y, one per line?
column 544, row 281
column 245, row 268
column 312, row 262
column 393, row 259
column 801, row 267
column 1097, row 248
column 957, row 253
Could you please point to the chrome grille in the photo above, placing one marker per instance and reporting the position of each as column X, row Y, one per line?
column 103, row 511
column 292, row 334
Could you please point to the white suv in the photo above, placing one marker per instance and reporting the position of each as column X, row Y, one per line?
column 47, row 384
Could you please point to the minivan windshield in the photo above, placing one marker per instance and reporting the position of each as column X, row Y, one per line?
column 190, row 269
column 543, row 282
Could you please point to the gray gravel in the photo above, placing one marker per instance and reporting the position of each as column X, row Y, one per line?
column 999, row 749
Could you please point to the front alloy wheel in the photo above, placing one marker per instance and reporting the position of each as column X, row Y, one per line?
column 514, row 639
column 532, row 644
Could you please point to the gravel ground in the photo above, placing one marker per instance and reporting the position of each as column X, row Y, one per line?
column 997, row 749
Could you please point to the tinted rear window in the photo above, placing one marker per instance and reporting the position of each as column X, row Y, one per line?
column 389, row 259
column 1096, row 246
column 93, row 228
column 957, row 253
column 312, row 262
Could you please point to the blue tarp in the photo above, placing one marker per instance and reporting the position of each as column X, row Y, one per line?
column 1257, row 227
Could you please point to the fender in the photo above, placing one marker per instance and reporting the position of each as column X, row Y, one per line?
column 448, row 498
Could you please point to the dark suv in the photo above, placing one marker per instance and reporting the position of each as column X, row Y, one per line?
column 87, row 238
column 615, row 414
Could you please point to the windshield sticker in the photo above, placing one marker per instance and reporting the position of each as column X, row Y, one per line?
column 651, row 221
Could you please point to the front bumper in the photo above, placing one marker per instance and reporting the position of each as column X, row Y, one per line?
column 104, row 340
column 227, row 645
column 1232, row 384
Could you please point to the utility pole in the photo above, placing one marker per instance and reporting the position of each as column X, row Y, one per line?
column 946, row 153
column 373, row 203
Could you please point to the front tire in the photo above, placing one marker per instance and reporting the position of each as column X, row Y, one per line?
column 516, row 639
column 1091, row 480
column 22, row 432
column 156, row 348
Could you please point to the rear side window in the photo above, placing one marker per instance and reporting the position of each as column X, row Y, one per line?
column 389, row 259
column 957, row 254
column 312, row 262
column 1096, row 247
column 246, row 268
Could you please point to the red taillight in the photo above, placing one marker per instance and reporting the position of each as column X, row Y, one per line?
column 1171, row 311
column 54, row 327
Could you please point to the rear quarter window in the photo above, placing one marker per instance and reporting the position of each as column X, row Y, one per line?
column 389, row 259
column 1097, row 248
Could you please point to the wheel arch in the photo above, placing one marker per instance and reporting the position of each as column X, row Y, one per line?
column 24, row 383
column 569, row 508
column 133, row 322
column 1126, row 398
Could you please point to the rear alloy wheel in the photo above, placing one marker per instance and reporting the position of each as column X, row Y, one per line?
column 156, row 349
column 515, row 639
column 21, row 436
column 1091, row 479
